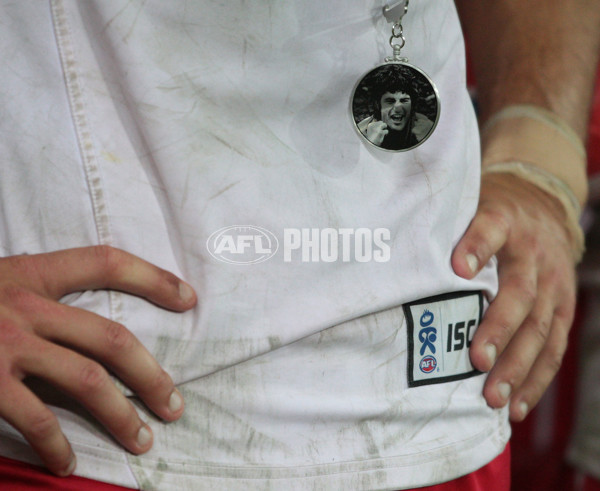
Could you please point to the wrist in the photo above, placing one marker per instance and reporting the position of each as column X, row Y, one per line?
column 537, row 137
column 536, row 145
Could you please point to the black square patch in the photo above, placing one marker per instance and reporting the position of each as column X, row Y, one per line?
column 440, row 330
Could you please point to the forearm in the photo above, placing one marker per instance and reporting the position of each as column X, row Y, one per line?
column 541, row 52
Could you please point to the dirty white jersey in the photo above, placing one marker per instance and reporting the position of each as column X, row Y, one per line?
column 329, row 348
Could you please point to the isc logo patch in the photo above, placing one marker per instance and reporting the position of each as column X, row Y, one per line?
column 440, row 330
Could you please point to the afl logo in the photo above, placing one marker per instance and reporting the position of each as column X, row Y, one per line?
column 242, row 244
column 428, row 364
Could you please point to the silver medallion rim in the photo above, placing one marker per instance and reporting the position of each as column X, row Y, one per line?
column 434, row 90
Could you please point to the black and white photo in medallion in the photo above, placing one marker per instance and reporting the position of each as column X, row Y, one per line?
column 395, row 106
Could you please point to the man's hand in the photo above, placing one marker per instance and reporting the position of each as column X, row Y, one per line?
column 523, row 335
column 376, row 131
column 68, row 347
column 421, row 126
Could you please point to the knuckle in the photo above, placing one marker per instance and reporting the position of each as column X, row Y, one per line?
column 540, row 329
column 42, row 426
column 543, row 255
column 566, row 313
column 556, row 277
column 159, row 382
column 125, row 422
column 17, row 296
column 92, row 378
column 532, row 245
column 503, row 330
column 519, row 370
column 11, row 335
column 109, row 258
column 566, row 310
column 555, row 359
column 118, row 337
column 497, row 219
column 104, row 253
column 555, row 355
column 526, row 288
column 527, row 291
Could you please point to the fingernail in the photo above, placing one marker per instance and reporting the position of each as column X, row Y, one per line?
column 472, row 262
column 71, row 467
column 144, row 436
column 175, row 401
column 186, row 293
column 490, row 351
column 504, row 390
column 524, row 408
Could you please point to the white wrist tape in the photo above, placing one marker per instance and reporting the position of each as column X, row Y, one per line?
column 536, row 145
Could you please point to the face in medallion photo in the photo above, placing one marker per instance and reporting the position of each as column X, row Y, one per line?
column 395, row 107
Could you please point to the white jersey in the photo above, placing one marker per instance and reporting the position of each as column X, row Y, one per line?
column 214, row 138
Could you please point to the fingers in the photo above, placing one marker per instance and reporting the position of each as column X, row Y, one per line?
column 36, row 333
column 39, row 426
column 112, row 344
column 100, row 267
column 524, row 331
column 89, row 383
column 422, row 126
column 543, row 370
column 22, row 354
column 516, row 297
column 519, row 355
column 486, row 234
column 523, row 337
column 376, row 132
